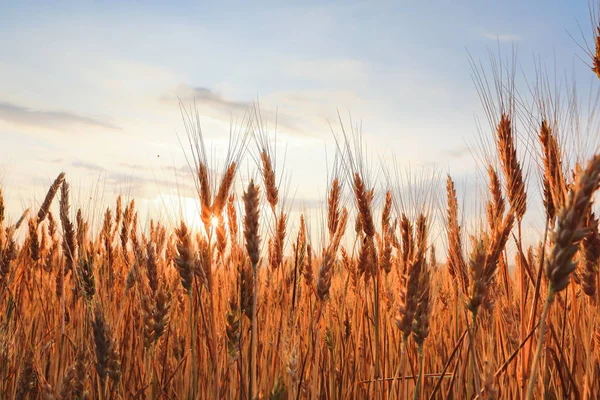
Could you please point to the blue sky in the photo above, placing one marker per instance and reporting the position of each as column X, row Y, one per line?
column 91, row 87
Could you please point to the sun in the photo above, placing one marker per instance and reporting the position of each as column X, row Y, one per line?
column 214, row 221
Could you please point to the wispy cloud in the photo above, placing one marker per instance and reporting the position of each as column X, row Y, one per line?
column 87, row 166
column 205, row 97
column 56, row 120
column 215, row 105
column 502, row 37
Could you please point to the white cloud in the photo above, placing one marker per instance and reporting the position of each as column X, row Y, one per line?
column 503, row 37
column 49, row 119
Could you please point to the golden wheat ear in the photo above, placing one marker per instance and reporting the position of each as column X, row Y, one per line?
column 570, row 229
column 590, row 248
column 184, row 261
column 224, row 189
column 554, row 183
column 2, row 208
column 251, row 222
column 271, row 190
column 333, row 205
column 69, row 239
column 596, row 54
column 511, row 166
column 363, row 202
column 50, row 197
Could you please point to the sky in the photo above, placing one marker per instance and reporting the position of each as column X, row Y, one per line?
column 92, row 88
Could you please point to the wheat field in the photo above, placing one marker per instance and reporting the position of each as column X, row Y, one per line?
column 251, row 304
